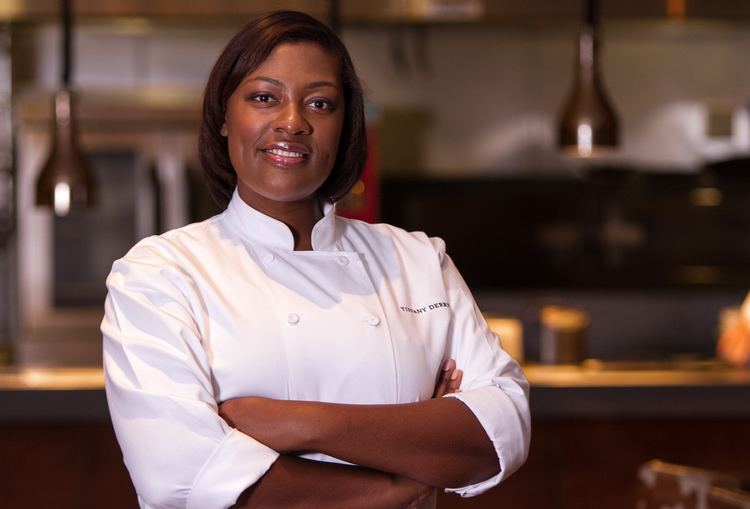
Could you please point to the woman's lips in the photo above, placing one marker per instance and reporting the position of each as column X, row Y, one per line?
column 286, row 154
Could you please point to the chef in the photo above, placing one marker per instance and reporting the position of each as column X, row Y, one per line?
column 278, row 355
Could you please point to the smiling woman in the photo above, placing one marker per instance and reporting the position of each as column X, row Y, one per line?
column 283, row 124
column 273, row 356
column 249, row 49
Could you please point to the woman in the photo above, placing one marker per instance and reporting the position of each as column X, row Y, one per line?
column 250, row 357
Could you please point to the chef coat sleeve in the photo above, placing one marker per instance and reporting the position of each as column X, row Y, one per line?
column 179, row 452
column 493, row 386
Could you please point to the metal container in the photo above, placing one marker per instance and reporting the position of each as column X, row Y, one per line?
column 563, row 336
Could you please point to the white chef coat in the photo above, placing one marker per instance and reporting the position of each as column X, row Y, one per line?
column 226, row 308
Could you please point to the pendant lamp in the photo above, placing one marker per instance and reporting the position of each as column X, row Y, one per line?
column 65, row 182
column 588, row 123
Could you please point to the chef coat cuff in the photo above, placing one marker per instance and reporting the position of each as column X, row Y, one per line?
column 238, row 462
column 505, row 426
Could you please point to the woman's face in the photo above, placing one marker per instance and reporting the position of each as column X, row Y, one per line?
column 283, row 124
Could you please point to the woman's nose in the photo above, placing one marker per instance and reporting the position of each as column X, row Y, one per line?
column 292, row 120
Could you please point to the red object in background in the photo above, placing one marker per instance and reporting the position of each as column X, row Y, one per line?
column 362, row 202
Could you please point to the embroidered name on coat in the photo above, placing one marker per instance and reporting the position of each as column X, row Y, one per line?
column 419, row 311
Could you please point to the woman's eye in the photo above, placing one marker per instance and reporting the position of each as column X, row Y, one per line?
column 321, row 104
column 261, row 98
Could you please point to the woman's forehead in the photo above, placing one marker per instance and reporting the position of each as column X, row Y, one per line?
column 298, row 62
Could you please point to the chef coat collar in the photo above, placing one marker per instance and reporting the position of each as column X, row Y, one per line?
column 257, row 227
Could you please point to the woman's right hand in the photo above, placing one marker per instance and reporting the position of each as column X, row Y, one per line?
column 449, row 381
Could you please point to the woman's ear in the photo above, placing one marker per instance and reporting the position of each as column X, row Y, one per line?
column 223, row 130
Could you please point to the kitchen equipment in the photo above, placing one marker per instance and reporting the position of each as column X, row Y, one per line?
column 563, row 335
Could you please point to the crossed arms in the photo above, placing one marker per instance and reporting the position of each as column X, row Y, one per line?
column 402, row 450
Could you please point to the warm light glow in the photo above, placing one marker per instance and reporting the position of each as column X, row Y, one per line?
column 11, row 9
column 62, row 199
column 698, row 274
column 52, row 379
column 358, row 188
column 510, row 332
column 705, row 197
column 676, row 9
column 584, row 137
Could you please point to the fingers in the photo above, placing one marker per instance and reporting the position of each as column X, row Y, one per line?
column 442, row 384
column 449, row 380
column 449, row 367
column 454, row 383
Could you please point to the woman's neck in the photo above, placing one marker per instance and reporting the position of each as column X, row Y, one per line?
column 299, row 216
column 301, row 220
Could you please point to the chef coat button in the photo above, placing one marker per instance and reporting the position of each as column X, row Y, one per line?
column 269, row 257
column 373, row 320
column 343, row 260
column 292, row 318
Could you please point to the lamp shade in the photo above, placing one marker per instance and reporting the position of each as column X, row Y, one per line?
column 65, row 182
column 588, row 121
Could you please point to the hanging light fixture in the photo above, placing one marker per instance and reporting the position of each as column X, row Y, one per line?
column 589, row 122
column 334, row 15
column 65, row 182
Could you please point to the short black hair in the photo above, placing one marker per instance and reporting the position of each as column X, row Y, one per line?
column 244, row 53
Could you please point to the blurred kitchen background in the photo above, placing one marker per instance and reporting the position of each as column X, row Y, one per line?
column 648, row 241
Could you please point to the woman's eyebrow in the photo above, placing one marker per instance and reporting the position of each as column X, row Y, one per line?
column 320, row 84
column 266, row 79
column 309, row 86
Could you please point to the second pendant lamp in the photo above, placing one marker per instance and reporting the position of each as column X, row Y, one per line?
column 589, row 122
